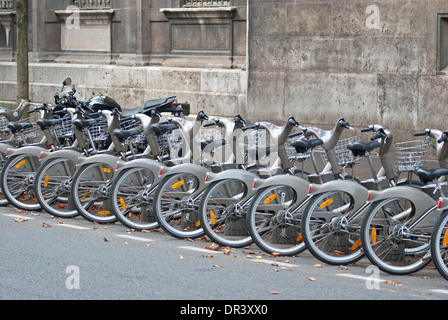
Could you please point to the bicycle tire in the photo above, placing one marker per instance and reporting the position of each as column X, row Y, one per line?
column 388, row 245
column 274, row 223
column 90, row 192
column 439, row 245
column 222, row 212
column 131, row 199
column 328, row 235
column 17, row 182
column 176, row 206
column 52, row 186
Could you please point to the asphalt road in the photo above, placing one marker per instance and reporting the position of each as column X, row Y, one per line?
column 43, row 258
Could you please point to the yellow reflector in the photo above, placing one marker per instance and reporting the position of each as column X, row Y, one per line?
column 104, row 213
column 47, row 178
column 373, row 235
column 268, row 200
column 85, row 194
column 326, row 203
column 445, row 238
column 198, row 223
column 177, row 185
column 299, row 238
column 356, row 244
column 212, row 216
column 107, row 170
column 20, row 164
column 123, row 205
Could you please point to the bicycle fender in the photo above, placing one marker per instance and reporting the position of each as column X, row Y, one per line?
column 357, row 191
column 300, row 185
column 4, row 147
column 246, row 177
column 152, row 165
column 29, row 150
column 420, row 199
column 198, row 171
column 107, row 159
column 66, row 154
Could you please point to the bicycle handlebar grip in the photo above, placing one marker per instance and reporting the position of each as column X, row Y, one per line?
column 249, row 127
column 210, row 124
column 444, row 138
column 418, row 134
column 296, row 134
column 366, row 129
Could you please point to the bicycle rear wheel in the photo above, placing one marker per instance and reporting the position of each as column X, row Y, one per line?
column 17, row 182
column 329, row 235
column 131, row 198
column 273, row 218
column 222, row 213
column 90, row 192
column 389, row 243
column 439, row 245
column 3, row 200
column 176, row 202
column 52, row 186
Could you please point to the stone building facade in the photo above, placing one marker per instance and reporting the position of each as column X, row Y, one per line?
column 382, row 61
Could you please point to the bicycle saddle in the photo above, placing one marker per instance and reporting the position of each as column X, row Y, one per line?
column 161, row 128
column 428, row 175
column 45, row 124
column 17, row 127
column 147, row 107
column 125, row 134
column 359, row 148
column 81, row 124
column 303, row 146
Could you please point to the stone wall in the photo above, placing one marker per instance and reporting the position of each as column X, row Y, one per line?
column 366, row 61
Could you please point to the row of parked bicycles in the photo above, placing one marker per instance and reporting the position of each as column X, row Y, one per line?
column 238, row 184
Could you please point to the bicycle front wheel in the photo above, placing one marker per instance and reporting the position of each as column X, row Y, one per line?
column 52, row 185
column 328, row 233
column 222, row 213
column 17, row 182
column 389, row 242
column 90, row 192
column 273, row 218
column 176, row 202
column 439, row 245
column 131, row 198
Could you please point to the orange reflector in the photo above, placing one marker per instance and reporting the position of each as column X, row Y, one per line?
column 177, row 185
column 20, row 164
column 356, row 244
column 107, row 170
column 47, row 178
column 123, row 205
column 85, row 195
column 212, row 216
column 374, row 235
column 445, row 239
column 104, row 213
column 198, row 223
column 299, row 238
column 272, row 197
column 326, row 203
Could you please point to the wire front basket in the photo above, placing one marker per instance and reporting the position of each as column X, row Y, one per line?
column 410, row 155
